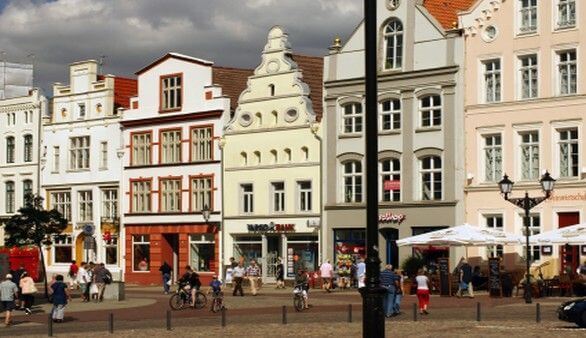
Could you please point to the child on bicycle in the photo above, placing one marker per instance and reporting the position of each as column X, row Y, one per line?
column 216, row 286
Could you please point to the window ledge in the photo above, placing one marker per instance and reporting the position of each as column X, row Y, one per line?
column 77, row 170
column 568, row 28
column 521, row 35
column 172, row 110
column 390, row 132
column 425, row 130
column 355, row 135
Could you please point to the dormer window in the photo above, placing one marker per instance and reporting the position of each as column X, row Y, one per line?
column 171, row 92
column 393, row 44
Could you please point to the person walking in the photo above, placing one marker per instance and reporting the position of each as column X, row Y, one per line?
column 422, row 291
column 253, row 273
column 60, row 296
column 8, row 294
column 327, row 273
column 92, row 289
column 83, row 280
column 387, row 281
column 238, row 275
column 399, row 292
column 166, row 271
column 361, row 273
column 102, row 277
column 465, row 279
column 280, row 273
column 27, row 285
column 72, row 273
column 16, row 280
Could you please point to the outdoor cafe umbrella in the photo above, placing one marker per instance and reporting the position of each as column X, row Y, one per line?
column 572, row 235
column 462, row 235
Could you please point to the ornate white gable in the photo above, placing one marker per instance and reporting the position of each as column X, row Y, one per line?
column 477, row 17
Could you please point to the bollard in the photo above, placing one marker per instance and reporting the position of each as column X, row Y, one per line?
column 538, row 313
column 168, row 320
column 478, row 311
column 349, row 313
column 223, row 317
column 111, row 323
column 414, row 312
column 50, row 326
column 284, row 314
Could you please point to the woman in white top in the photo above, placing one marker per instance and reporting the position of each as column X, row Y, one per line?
column 422, row 291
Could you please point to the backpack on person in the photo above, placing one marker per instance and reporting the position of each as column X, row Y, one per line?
column 107, row 278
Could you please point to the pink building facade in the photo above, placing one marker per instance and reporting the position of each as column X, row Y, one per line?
column 525, row 111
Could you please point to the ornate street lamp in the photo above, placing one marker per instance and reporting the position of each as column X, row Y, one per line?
column 205, row 212
column 527, row 203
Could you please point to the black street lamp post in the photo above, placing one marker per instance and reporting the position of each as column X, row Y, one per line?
column 527, row 203
column 373, row 319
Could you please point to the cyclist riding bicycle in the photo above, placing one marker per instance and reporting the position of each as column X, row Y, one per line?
column 302, row 279
column 190, row 283
column 216, row 286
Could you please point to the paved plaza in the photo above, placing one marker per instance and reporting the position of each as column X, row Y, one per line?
column 144, row 312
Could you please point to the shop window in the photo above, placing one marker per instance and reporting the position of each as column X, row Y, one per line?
column 301, row 254
column 247, row 248
column 141, row 253
column 111, row 250
column 62, row 249
column 201, row 252
column 349, row 245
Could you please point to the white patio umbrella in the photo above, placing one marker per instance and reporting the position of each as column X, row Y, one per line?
column 463, row 235
column 572, row 235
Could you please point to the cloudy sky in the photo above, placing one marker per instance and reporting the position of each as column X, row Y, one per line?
column 131, row 33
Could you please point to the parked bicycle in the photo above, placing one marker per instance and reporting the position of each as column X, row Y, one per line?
column 299, row 297
column 181, row 299
column 217, row 301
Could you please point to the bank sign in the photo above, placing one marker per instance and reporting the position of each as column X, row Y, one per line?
column 271, row 227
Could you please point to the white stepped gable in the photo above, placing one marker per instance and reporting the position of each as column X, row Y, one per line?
column 290, row 92
column 478, row 16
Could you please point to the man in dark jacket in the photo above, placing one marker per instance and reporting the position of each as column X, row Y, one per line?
column 166, row 271
column 465, row 279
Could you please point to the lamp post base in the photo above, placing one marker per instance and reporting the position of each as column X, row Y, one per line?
column 373, row 322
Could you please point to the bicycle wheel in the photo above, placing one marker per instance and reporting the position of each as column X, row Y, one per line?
column 200, row 300
column 298, row 303
column 216, row 305
column 176, row 302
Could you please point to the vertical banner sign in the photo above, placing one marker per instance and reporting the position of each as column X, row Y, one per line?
column 444, row 274
column 494, row 277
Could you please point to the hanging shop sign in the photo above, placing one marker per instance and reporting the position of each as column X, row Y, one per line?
column 271, row 227
column 391, row 218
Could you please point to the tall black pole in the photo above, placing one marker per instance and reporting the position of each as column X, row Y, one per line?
column 373, row 319
column 526, row 220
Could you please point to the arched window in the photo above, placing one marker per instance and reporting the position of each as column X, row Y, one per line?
column 257, row 156
column 27, row 190
column 259, row 118
column 287, row 155
column 243, row 158
column 431, row 178
column 9, row 186
column 275, row 118
column 305, row 152
column 352, row 177
column 393, row 42
column 28, row 148
column 10, row 149
column 271, row 90
column 390, row 180
column 274, row 155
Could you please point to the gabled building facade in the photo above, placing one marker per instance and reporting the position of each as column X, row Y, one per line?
column 81, row 166
column 172, row 168
column 20, row 135
column 525, row 114
column 421, row 114
column 271, row 157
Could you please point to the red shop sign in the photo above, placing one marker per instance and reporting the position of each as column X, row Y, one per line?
column 392, row 185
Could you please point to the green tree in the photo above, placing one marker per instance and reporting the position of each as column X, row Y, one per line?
column 33, row 225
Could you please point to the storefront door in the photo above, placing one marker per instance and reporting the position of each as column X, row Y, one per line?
column 391, row 237
column 170, row 252
column 273, row 254
column 569, row 254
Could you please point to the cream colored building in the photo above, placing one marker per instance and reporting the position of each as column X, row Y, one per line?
column 271, row 159
column 525, row 111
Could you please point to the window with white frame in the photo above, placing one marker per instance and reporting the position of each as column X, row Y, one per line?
column 81, row 111
column 431, row 178
column 493, row 157
column 85, row 203
column 247, row 198
column 352, row 118
column 56, row 158
column 201, row 193
column 171, row 92
column 390, row 115
column 527, row 16
column 79, row 153
column 201, row 144
column 494, row 222
column 10, row 149
column 141, row 148
column 567, row 72
column 393, row 40
column 141, row 253
column 110, row 203
column 28, row 148
column 104, row 155
column 568, row 152
column 278, row 194
column 10, row 197
column 141, row 196
column 304, row 195
column 62, row 249
column 529, row 153
column 534, row 229
column 430, row 110
column 170, row 195
column 566, row 14
column 352, row 177
column 390, row 175
column 529, row 74
column 492, row 80
column 201, row 251
column 171, row 146
column 111, row 250
column 27, row 190
column 61, row 201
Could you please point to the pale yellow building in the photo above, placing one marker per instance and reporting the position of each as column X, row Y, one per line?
column 271, row 163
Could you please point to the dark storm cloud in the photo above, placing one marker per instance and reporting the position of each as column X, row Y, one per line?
column 134, row 32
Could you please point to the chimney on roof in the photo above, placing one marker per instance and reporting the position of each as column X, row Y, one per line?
column 336, row 46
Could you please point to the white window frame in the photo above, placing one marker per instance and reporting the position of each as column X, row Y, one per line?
column 433, row 171
column 278, row 202
column 10, row 149
column 103, row 155
column 396, row 38
column 110, row 203
column 141, row 148
column 141, row 196
column 144, row 239
column 491, row 152
column 491, row 222
column 246, row 198
column 79, row 153
column 199, row 239
column 56, row 158
column 304, row 196
column 529, row 13
column 171, row 145
column 113, row 243
column 567, row 66
column 201, row 143
column 352, row 181
column 492, row 78
column 533, row 149
column 569, row 142
column 531, row 72
column 61, row 201
column 170, row 195
column 561, row 22
column 61, row 241
column 392, row 114
column 533, row 230
column 85, row 206
column 434, row 111
column 393, row 174
column 352, row 118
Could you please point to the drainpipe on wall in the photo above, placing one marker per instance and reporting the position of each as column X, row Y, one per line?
column 314, row 130
column 222, row 224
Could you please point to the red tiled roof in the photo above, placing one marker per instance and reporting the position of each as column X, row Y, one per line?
column 312, row 68
column 446, row 11
column 233, row 82
column 124, row 89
